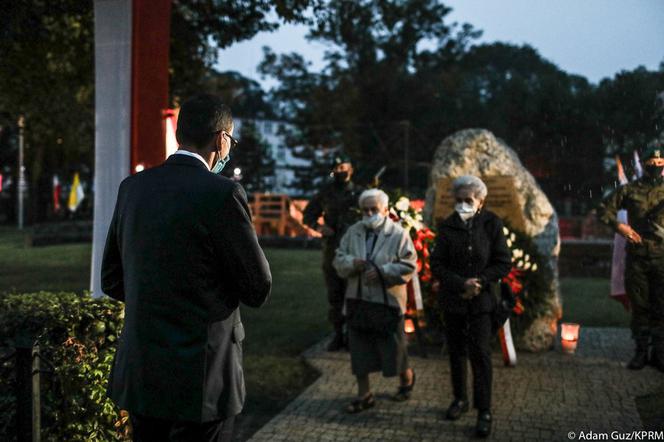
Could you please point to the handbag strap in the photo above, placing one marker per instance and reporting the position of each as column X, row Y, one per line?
column 382, row 283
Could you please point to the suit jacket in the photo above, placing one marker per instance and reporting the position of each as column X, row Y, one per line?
column 182, row 253
column 393, row 253
column 478, row 250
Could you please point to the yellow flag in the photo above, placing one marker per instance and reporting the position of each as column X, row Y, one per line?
column 76, row 194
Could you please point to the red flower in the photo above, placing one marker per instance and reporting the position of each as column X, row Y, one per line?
column 518, row 308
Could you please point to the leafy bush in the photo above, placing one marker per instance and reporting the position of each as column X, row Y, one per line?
column 77, row 335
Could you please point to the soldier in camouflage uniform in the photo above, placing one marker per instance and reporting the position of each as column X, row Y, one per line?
column 644, row 270
column 337, row 203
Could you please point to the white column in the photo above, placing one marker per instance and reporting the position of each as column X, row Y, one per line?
column 113, row 27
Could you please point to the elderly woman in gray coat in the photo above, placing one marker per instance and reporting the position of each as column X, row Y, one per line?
column 378, row 258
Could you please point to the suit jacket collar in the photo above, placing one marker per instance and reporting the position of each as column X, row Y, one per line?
column 185, row 160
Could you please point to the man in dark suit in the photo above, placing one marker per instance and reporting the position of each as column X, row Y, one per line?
column 182, row 253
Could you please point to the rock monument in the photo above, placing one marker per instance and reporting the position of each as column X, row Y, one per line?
column 479, row 152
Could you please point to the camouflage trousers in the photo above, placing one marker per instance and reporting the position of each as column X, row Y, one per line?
column 644, row 283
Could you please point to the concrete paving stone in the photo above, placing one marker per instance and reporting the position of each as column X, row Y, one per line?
column 543, row 398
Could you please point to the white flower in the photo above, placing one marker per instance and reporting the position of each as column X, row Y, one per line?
column 519, row 264
column 402, row 204
column 509, row 242
column 534, row 267
column 527, row 266
column 527, row 258
column 513, row 237
column 505, row 231
column 419, row 217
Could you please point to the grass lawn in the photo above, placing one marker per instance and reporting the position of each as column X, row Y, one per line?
column 292, row 320
column 586, row 301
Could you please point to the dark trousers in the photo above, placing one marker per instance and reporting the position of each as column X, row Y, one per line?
column 469, row 337
column 336, row 290
column 150, row 429
column 644, row 283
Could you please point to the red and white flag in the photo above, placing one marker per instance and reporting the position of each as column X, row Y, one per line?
column 57, row 192
column 637, row 165
column 507, row 344
column 618, row 291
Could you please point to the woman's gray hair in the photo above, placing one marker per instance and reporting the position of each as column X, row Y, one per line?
column 471, row 182
column 380, row 196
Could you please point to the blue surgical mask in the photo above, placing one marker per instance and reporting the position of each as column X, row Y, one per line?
column 373, row 221
column 221, row 163
column 465, row 210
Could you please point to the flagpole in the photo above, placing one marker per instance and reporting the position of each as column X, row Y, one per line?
column 21, row 170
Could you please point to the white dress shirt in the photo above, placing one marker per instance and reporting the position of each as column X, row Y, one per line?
column 192, row 154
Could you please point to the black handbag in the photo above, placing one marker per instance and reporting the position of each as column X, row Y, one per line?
column 505, row 302
column 372, row 317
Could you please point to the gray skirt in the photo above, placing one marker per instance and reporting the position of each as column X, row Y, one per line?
column 371, row 352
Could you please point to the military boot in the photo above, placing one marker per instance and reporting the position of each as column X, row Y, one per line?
column 339, row 341
column 657, row 357
column 640, row 358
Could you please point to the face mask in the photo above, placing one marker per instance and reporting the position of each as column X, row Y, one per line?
column 654, row 171
column 340, row 177
column 221, row 164
column 465, row 210
column 373, row 221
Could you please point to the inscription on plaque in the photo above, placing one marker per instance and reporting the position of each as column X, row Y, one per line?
column 501, row 200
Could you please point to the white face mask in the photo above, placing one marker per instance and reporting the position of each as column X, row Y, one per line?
column 373, row 221
column 465, row 210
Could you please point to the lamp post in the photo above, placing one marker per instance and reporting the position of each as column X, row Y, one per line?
column 21, row 170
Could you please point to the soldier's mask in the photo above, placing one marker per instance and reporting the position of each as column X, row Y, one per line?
column 653, row 171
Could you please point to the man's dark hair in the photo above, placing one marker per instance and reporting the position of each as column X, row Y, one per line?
column 200, row 118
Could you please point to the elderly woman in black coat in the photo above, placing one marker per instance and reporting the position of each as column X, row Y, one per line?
column 470, row 254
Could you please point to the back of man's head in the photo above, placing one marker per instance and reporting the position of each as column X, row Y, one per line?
column 200, row 118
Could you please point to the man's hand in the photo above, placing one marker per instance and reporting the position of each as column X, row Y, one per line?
column 372, row 275
column 325, row 230
column 630, row 234
column 472, row 288
column 359, row 264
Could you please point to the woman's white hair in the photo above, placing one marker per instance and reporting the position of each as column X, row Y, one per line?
column 471, row 182
column 381, row 197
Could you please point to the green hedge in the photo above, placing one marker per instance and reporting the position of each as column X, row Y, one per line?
column 77, row 334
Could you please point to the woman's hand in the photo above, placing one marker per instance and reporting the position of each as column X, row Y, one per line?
column 359, row 264
column 472, row 288
column 372, row 275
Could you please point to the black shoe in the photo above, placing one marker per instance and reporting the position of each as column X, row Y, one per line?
column 639, row 360
column 404, row 391
column 483, row 428
column 657, row 362
column 338, row 343
column 456, row 409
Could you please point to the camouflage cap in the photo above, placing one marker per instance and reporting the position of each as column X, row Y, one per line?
column 340, row 158
column 655, row 150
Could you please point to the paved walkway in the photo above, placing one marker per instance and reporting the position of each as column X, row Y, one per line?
column 544, row 398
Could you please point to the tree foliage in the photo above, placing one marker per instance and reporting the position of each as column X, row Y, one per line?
column 47, row 71
column 398, row 75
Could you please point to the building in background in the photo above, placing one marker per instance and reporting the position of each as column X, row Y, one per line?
column 286, row 158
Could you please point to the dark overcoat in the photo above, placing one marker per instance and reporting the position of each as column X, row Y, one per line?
column 474, row 250
column 181, row 253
